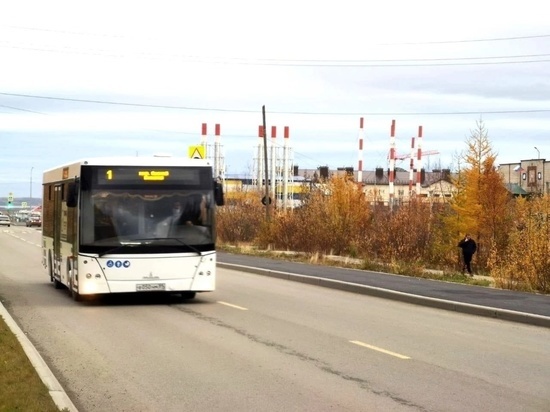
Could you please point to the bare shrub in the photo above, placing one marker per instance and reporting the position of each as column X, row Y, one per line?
column 333, row 218
column 402, row 234
column 241, row 217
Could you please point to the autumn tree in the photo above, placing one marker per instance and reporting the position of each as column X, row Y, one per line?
column 525, row 263
column 481, row 203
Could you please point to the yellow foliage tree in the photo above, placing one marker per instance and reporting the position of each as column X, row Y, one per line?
column 525, row 263
column 481, row 204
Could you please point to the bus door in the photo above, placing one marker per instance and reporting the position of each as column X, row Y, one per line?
column 57, row 224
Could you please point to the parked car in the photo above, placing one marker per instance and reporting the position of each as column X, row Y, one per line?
column 34, row 219
column 5, row 220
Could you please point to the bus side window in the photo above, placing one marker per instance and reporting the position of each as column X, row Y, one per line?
column 72, row 195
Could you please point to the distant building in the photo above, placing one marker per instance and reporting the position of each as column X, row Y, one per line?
column 523, row 178
column 435, row 186
column 527, row 177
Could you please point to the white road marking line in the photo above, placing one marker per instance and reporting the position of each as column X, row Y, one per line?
column 387, row 352
column 232, row 306
column 23, row 239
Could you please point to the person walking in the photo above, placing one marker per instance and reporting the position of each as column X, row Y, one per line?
column 469, row 247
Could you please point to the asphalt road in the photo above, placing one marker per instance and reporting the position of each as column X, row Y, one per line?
column 264, row 344
column 508, row 305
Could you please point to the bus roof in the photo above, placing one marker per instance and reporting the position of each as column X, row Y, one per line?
column 56, row 173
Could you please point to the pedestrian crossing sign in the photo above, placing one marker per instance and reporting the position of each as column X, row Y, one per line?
column 197, row 152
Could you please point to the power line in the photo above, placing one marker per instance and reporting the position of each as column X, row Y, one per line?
column 305, row 113
column 106, row 102
column 493, row 39
column 352, row 61
column 23, row 110
column 339, row 63
column 489, row 39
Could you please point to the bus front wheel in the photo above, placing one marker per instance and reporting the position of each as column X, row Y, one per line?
column 74, row 294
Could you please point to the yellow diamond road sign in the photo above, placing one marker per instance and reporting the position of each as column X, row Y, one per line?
column 197, row 152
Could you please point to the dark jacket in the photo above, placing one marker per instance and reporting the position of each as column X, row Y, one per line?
column 468, row 247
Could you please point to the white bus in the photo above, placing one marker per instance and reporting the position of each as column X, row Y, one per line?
column 116, row 225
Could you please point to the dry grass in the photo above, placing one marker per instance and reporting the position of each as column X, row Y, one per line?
column 21, row 387
column 353, row 263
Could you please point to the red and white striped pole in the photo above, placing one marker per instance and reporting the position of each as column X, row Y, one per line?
column 392, row 162
column 217, row 152
column 286, row 167
column 411, row 168
column 360, row 160
column 273, row 185
column 419, row 164
column 203, row 136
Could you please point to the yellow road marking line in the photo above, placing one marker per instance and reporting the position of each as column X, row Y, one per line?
column 231, row 305
column 387, row 352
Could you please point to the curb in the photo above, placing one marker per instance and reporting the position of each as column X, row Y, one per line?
column 486, row 311
column 55, row 389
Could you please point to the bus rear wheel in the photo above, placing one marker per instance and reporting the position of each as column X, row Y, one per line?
column 57, row 284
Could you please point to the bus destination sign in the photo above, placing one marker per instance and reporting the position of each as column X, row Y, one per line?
column 136, row 175
column 154, row 174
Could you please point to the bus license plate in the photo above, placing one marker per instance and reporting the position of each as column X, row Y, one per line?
column 150, row 287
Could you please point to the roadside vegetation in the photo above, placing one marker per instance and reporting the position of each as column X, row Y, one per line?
column 20, row 386
column 418, row 238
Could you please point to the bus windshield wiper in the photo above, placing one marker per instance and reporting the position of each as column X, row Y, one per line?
column 193, row 248
column 117, row 248
column 177, row 239
column 139, row 242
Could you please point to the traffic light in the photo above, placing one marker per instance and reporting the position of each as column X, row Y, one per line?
column 10, row 200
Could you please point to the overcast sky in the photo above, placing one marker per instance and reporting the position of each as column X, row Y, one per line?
column 81, row 79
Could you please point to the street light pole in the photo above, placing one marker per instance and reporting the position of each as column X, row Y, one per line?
column 538, row 153
column 30, row 191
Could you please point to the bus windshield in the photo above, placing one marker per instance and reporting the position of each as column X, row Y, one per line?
column 144, row 220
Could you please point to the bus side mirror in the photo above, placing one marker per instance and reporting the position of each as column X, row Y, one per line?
column 72, row 194
column 218, row 194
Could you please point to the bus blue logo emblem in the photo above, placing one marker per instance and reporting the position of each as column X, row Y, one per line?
column 118, row 263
